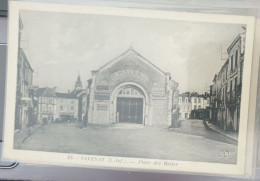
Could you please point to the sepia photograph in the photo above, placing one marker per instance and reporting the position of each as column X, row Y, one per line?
column 129, row 89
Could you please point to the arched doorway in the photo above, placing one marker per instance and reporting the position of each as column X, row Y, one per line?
column 130, row 105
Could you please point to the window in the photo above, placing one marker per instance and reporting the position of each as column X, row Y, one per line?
column 235, row 88
column 199, row 107
column 72, row 108
column 199, row 100
column 195, row 100
column 72, row 102
column 180, row 100
column 44, row 100
column 43, row 108
column 61, row 108
column 223, row 93
column 226, row 73
column 231, row 62
column 50, row 108
column 231, row 86
column 186, row 100
column 236, row 58
column 195, row 107
column 50, row 101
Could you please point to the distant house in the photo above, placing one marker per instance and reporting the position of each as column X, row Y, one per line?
column 185, row 105
column 47, row 104
column 190, row 101
column 199, row 101
column 57, row 106
column 67, row 106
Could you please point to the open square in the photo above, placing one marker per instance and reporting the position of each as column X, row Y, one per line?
column 192, row 142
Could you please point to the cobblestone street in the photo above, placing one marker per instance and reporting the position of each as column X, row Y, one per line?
column 191, row 142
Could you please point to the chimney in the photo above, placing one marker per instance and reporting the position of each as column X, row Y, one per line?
column 168, row 77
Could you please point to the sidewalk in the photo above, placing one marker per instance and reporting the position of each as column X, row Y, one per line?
column 231, row 135
column 21, row 135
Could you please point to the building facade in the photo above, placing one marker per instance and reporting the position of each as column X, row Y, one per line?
column 185, row 105
column 190, row 101
column 24, row 110
column 225, row 92
column 199, row 101
column 67, row 107
column 55, row 106
column 130, row 89
column 47, row 104
column 233, row 99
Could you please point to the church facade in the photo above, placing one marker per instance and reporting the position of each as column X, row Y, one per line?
column 130, row 89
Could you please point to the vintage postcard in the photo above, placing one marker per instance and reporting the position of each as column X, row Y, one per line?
column 128, row 88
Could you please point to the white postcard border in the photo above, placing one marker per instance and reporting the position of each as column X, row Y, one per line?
column 78, row 160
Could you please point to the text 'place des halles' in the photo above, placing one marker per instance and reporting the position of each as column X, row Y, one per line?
column 129, row 107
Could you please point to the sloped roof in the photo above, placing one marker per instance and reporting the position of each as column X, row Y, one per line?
column 50, row 92
column 66, row 95
column 129, row 52
column 78, row 92
column 235, row 41
column 45, row 92
column 195, row 94
column 184, row 95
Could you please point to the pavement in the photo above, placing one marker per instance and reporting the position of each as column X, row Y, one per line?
column 21, row 135
column 231, row 135
column 192, row 142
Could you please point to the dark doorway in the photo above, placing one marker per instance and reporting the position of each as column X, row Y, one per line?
column 129, row 110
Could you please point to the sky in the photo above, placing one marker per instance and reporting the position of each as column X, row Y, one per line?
column 61, row 46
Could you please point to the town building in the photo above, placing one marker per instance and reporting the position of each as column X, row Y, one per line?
column 67, row 107
column 185, row 105
column 236, row 56
column 47, row 104
column 199, row 101
column 190, row 101
column 61, row 107
column 225, row 92
column 218, row 93
column 24, row 110
column 130, row 89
